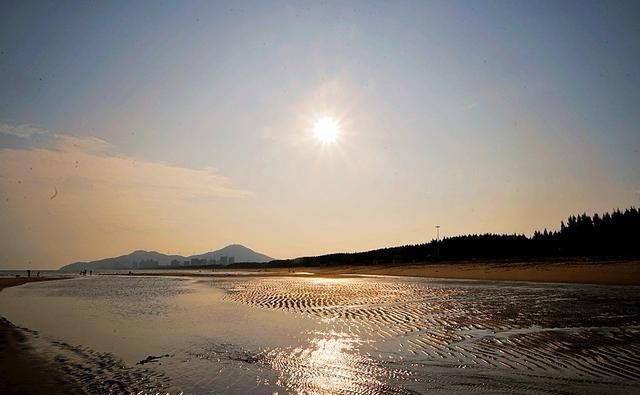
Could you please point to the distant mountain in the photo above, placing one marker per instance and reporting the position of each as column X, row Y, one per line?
column 239, row 252
column 123, row 262
column 150, row 259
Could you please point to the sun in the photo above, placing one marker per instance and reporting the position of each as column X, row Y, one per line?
column 326, row 130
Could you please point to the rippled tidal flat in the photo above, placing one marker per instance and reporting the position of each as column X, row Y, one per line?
column 339, row 335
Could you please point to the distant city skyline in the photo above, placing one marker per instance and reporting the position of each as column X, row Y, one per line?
column 304, row 128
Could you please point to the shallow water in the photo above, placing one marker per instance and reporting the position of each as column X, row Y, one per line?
column 340, row 335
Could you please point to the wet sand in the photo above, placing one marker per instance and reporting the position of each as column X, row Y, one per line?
column 301, row 333
column 23, row 371
column 437, row 327
column 15, row 281
column 537, row 336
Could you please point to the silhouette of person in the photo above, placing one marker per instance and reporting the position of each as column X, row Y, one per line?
column 28, row 273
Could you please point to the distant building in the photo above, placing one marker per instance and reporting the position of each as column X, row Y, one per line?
column 147, row 264
column 185, row 263
column 231, row 260
column 224, row 260
column 198, row 261
column 175, row 263
column 212, row 262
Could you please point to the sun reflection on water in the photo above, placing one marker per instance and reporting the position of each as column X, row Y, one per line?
column 330, row 281
column 330, row 363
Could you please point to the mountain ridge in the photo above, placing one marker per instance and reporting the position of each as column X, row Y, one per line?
column 129, row 261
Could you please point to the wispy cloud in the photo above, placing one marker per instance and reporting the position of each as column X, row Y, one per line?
column 23, row 131
column 102, row 197
column 93, row 161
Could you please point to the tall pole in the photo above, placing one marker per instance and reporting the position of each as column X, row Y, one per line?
column 438, row 239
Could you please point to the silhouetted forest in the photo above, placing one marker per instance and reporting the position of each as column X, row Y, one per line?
column 615, row 235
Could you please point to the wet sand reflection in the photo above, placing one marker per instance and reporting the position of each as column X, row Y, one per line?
column 339, row 335
column 330, row 363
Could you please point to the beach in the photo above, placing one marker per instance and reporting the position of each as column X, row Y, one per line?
column 598, row 272
column 320, row 333
column 375, row 329
column 611, row 272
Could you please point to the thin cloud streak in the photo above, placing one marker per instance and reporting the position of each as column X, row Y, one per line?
column 101, row 198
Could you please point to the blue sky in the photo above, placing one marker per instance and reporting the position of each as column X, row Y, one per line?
column 479, row 116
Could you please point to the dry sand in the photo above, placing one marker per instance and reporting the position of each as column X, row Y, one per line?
column 592, row 272
column 568, row 271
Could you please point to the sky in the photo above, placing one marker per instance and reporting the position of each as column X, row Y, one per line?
column 184, row 126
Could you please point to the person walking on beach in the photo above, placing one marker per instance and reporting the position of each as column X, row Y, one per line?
column 28, row 273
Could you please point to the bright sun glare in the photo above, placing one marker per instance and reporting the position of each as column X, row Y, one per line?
column 326, row 130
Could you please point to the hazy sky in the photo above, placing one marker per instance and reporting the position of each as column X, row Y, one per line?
column 185, row 126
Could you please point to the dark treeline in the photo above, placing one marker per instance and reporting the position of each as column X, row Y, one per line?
column 607, row 235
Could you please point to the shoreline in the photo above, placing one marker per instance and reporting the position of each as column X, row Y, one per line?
column 24, row 371
column 573, row 272
column 6, row 282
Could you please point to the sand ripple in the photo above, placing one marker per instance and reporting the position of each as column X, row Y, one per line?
column 581, row 333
